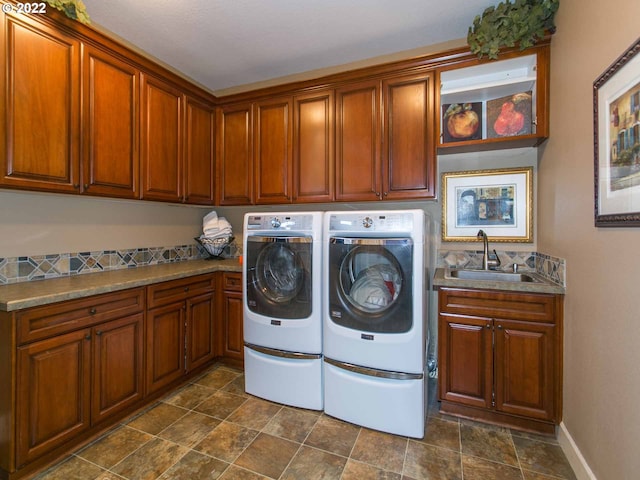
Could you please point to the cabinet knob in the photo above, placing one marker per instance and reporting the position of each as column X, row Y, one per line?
column 186, row 289
column 86, row 186
column 99, row 332
column 76, row 186
column 488, row 325
column 87, row 337
column 499, row 327
column 93, row 311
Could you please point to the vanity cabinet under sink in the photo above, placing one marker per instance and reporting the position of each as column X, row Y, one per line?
column 500, row 357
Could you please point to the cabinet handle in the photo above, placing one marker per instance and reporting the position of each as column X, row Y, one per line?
column 488, row 325
column 86, row 186
column 99, row 332
column 386, row 193
column 87, row 337
column 76, row 186
column 499, row 327
column 93, row 311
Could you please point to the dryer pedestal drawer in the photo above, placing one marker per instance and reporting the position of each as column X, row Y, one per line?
column 385, row 404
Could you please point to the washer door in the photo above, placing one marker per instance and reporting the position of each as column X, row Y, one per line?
column 279, row 276
column 370, row 284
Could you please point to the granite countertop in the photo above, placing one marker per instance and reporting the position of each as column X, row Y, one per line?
column 17, row 296
column 543, row 286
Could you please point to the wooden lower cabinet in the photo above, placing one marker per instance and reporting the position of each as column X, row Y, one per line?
column 500, row 357
column 72, row 381
column 180, row 329
column 232, row 338
column 165, row 345
column 81, row 365
column 54, row 393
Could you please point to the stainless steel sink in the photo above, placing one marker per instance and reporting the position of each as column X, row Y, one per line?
column 489, row 275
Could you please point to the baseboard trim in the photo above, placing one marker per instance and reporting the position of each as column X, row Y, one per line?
column 573, row 454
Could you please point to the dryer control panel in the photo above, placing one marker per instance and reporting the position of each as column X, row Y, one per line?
column 372, row 222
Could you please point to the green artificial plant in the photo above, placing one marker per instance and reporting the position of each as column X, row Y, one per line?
column 74, row 9
column 520, row 22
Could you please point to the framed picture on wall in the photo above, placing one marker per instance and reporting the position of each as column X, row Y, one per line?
column 616, row 141
column 496, row 201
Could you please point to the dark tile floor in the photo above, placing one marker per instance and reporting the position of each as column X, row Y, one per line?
column 211, row 429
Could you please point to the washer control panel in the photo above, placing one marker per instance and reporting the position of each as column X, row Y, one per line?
column 280, row 222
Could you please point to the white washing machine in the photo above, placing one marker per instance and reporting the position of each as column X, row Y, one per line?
column 375, row 319
column 282, row 273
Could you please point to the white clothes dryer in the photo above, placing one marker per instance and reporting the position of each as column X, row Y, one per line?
column 282, row 307
column 375, row 319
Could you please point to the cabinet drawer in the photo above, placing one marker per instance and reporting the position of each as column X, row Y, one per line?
column 49, row 320
column 178, row 290
column 533, row 307
column 232, row 281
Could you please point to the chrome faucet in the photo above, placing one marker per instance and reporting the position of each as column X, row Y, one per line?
column 486, row 263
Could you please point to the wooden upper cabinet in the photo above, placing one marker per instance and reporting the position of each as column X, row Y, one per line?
column 199, row 153
column 40, row 118
column 234, row 154
column 111, row 91
column 273, row 150
column 161, row 140
column 510, row 97
column 408, row 140
column 358, row 142
column 313, row 147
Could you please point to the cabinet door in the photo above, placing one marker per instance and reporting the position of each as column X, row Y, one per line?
column 409, row 159
column 199, row 151
column 465, row 353
column 313, row 154
column 232, row 335
column 273, row 149
column 165, row 345
column 201, row 346
column 110, row 164
column 161, row 140
column 524, row 368
column 234, row 155
column 40, row 118
column 53, row 397
column 358, row 142
column 117, row 366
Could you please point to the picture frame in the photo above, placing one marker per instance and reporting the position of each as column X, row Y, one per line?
column 500, row 202
column 616, row 142
column 462, row 122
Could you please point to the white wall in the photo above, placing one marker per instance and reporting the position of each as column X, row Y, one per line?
column 602, row 312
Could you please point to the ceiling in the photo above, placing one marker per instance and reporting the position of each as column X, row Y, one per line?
column 225, row 44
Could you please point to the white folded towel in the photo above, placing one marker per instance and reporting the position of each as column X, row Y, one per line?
column 218, row 228
column 210, row 220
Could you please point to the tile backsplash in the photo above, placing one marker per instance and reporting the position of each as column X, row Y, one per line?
column 39, row 267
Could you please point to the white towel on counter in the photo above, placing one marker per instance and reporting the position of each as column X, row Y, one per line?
column 210, row 220
column 219, row 227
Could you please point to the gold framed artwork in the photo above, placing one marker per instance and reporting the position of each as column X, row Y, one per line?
column 616, row 142
column 500, row 202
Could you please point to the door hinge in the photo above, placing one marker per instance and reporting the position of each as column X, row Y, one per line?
column 493, row 399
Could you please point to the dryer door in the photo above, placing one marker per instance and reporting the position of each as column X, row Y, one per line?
column 279, row 276
column 370, row 283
